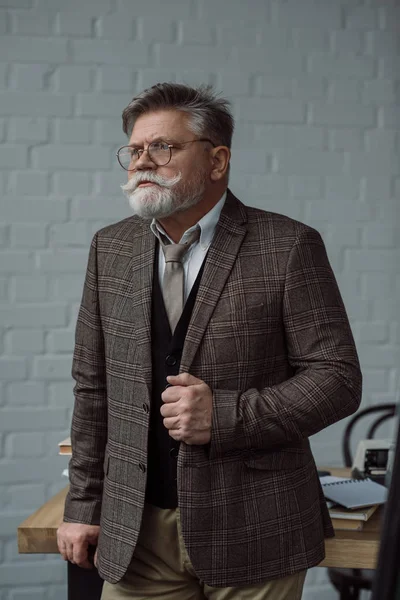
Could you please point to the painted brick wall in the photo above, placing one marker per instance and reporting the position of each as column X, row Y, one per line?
column 315, row 86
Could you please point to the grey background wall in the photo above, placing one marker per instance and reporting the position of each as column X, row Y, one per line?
column 315, row 88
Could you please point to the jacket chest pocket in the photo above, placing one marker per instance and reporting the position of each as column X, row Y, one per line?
column 241, row 313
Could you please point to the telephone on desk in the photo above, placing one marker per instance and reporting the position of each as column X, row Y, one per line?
column 373, row 459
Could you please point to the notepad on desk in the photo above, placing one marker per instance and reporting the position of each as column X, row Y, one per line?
column 347, row 514
column 345, row 519
column 354, row 493
column 347, row 524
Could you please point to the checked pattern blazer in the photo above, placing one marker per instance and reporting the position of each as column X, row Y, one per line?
column 269, row 334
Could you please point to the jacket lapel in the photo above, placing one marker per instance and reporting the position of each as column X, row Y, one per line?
column 142, row 275
column 221, row 257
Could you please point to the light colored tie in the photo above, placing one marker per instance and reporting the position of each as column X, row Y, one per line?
column 173, row 281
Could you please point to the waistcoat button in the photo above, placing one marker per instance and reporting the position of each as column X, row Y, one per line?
column 170, row 360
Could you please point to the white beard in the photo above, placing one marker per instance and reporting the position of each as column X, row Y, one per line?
column 165, row 198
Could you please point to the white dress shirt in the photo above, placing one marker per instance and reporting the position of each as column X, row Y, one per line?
column 194, row 257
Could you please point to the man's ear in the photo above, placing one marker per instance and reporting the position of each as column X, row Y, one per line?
column 220, row 157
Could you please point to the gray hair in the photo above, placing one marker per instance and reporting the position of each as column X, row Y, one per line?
column 209, row 116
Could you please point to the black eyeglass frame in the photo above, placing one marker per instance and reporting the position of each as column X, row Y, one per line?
column 170, row 146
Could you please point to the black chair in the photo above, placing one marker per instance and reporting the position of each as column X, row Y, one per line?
column 349, row 582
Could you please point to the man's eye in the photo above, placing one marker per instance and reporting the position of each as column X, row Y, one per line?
column 134, row 152
column 163, row 146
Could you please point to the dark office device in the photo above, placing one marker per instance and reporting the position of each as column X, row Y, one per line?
column 386, row 584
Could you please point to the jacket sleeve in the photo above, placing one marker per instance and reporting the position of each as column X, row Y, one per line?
column 89, row 421
column 326, row 382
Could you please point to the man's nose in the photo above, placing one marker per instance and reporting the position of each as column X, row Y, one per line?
column 144, row 162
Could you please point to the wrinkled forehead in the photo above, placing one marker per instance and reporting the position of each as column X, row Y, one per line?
column 170, row 125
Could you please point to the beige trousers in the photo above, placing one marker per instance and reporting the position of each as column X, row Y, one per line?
column 161, row 569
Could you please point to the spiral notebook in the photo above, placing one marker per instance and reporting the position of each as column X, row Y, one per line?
column 355, row 493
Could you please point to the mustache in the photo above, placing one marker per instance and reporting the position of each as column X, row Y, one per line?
column 138, row 178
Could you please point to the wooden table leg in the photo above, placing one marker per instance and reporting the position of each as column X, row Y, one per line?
column 83, row 584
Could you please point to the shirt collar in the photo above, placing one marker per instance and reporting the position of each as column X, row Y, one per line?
column 207, row 224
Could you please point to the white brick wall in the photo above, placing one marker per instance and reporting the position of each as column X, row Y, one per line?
column 315, row 87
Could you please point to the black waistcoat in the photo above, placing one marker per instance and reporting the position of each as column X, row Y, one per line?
column 166, row 352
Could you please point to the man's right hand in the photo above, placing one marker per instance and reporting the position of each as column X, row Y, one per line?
column 73, row 540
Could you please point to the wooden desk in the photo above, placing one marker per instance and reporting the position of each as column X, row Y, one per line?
column 353, row 549
column 37, row 534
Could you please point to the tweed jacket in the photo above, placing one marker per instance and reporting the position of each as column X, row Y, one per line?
column 270, row 336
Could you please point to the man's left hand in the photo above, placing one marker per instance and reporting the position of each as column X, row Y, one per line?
column 187, row 409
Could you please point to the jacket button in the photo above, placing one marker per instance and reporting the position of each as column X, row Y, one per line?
column 170, row 360
column 142, row 467
column 146, row 407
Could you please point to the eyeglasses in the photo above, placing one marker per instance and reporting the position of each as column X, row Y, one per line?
column 160, row 153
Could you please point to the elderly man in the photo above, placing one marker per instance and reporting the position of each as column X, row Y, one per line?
column 211, row 343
